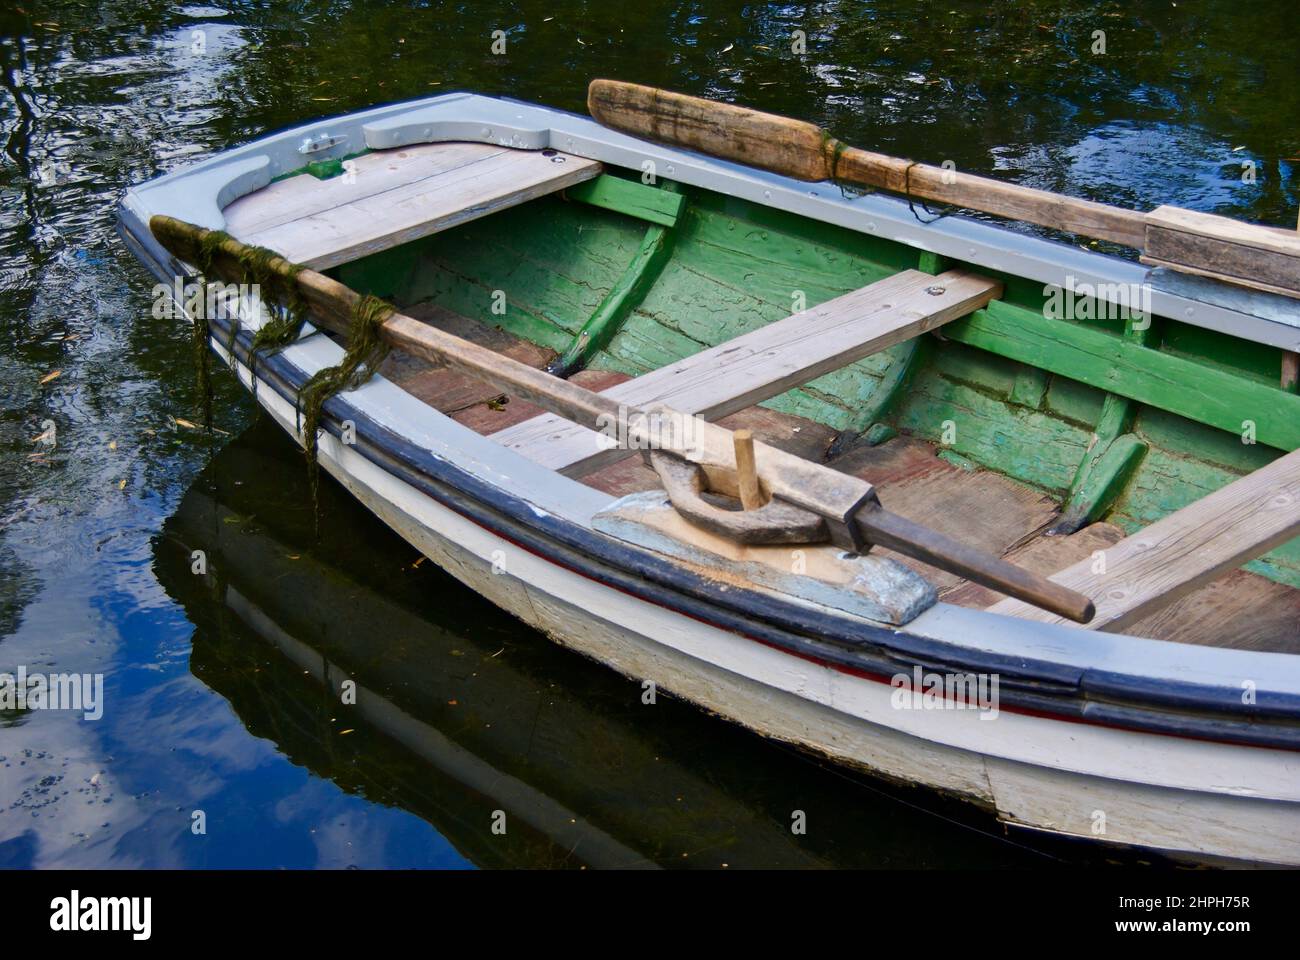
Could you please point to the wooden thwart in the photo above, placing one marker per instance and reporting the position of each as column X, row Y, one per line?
column 766, row 362
column 1187, row 549
column 391, row 197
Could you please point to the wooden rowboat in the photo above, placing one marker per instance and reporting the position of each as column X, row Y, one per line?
column 1017, row 525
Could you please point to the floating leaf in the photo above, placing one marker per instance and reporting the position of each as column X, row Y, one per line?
column 191, row 425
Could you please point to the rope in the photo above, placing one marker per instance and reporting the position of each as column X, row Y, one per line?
column 366, row 350
column 280, row 293
column 278, row 290
column 907, row 192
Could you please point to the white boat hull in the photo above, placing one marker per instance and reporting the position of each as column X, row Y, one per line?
column 1113, row 786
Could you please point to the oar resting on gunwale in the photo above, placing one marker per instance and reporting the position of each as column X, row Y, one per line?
column 1245, row 254
column 847, row 507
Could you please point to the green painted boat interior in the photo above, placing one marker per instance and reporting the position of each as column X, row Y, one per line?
column 1112, row 421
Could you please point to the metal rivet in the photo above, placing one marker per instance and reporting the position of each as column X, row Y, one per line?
column 936, row 290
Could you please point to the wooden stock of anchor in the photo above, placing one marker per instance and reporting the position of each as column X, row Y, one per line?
column 805, row 499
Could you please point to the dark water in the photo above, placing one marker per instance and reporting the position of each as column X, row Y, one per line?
column 213, row 702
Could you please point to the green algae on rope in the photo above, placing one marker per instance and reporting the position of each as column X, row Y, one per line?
column 277, row 289
column 366, row 350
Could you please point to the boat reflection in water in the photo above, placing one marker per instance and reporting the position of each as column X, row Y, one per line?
column 460, row 711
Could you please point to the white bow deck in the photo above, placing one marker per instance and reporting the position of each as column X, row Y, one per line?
column 390, row 197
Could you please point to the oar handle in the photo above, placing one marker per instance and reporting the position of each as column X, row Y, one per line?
column 879, row 526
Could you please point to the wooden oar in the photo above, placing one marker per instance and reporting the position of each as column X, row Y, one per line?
column 849, row 504
column 1266, row 258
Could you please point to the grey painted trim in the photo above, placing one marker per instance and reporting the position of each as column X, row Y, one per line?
column 1114, row 652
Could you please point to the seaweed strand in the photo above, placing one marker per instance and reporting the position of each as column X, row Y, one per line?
column 365, row 352
column 279, row 294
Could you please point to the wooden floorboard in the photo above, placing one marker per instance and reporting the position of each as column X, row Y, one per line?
column 1042, row 554
column 1242, row 610
column 979, row 507
column 391, row 197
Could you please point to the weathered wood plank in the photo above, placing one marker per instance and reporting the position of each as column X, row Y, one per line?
column 407, row 209
column 1267, row 258
column 1125, row 367
column 304, row 195
column 767, row 362
column 1251, row 235
column 1175, row 555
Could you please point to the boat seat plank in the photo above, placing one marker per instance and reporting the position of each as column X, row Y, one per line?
column 1167, row 560
column 390, row 197
column 1242, row 610
column 766, row 362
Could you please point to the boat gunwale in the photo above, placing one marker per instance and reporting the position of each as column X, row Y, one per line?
column 198, row 192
